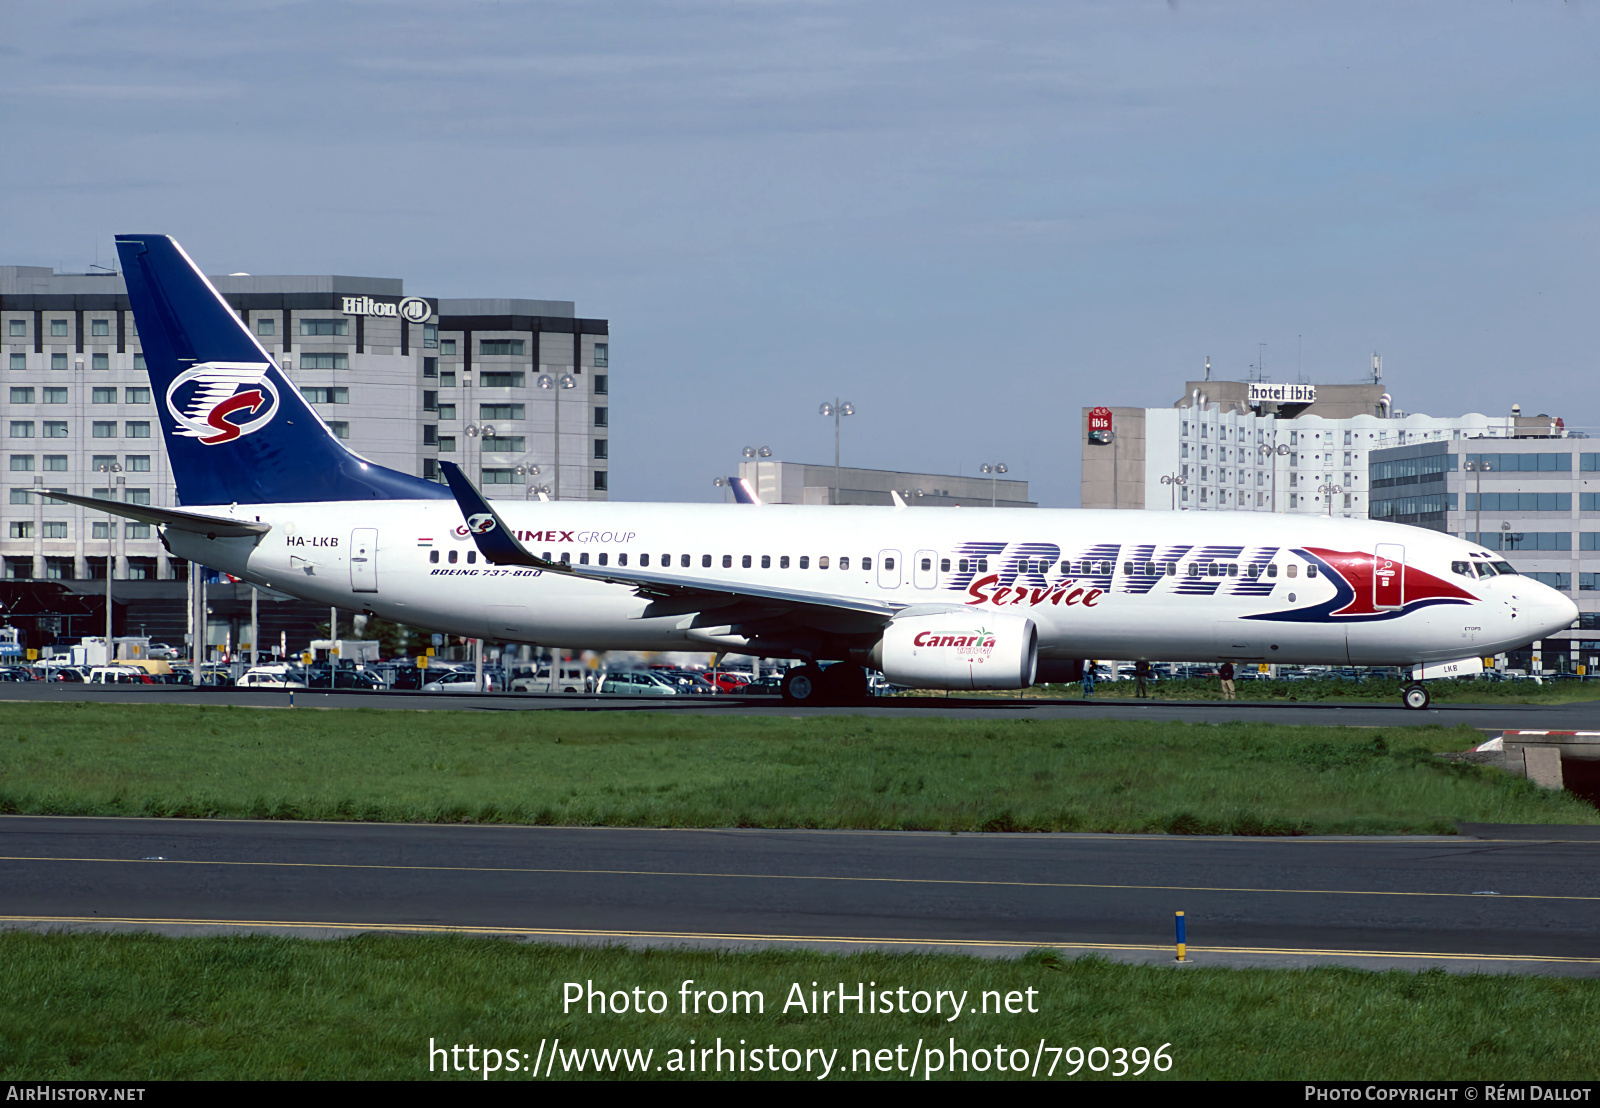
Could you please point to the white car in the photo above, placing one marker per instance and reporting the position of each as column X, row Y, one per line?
column 271, row 677
column 568, row 678
column 460, row 681
column 636, row 682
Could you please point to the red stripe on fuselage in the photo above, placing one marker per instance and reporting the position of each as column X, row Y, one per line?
column 1358, row 570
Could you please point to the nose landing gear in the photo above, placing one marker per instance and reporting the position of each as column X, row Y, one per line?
column 1415, row 696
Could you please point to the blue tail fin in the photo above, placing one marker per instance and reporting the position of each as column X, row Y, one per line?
column 237, row 430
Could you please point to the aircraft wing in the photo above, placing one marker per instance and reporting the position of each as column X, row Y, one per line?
column 212, row 527
column 500, row 546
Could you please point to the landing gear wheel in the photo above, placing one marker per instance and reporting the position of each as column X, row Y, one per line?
column 1415, row 696
column 801, row 685
column 843, row 683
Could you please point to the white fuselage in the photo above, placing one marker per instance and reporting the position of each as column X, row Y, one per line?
column 1136, row 584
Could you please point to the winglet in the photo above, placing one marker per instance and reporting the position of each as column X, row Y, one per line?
column 742, row 492
column 495, row 541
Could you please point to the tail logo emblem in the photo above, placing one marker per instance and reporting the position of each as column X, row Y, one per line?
column 218, row 402
column 481, row 524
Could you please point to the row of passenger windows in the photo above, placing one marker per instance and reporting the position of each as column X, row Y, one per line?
column 964, row 565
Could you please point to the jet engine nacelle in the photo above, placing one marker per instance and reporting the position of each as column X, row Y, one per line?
column 958, row 650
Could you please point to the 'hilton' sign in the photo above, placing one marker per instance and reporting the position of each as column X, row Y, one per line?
column 413, row 309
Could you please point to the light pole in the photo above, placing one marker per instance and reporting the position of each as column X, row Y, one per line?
column 557, row 382
column 1272, row 453
column 111, row 562
column 838, row 410
column 1174, row 480
column 1477, row 468
column 721, row 483
column 1329, row 491
column 994, row 470
column 527, row 469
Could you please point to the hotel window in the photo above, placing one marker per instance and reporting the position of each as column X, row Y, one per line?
column 136, row 429
column 21, row 395
column 22, row 463
column 340, row 428
column 430, row 336
column 602, row 416
column 58, row 361
column 136, row 395
column 21, row 529
column 19, row 361
column 602, row 355
column 602, row 384
column 20, row 496
column 502, row 411
column 55, row 428
column 324, row 327
column 103, row 429
column 106, row 395
column 19, row 328
column 447, row 379
column 55, row 463
column 267, row 326
column 324, row 361
column 55, row 529
column 430, row 434
column 492, row 347
column 600, row 480
column 138, row 361
column 447, row 346
column 600, row 448
column 58, row 328
column 99, row 327
column 447, row 444
column 137, row 463
column 55, row 396
column 327, row 395
column 501, row 380
column 99, row 361
column 430, row 400
column 499, row 477
column 430, row 367
column 504, row 444
column 138, row 496
column 447, row 412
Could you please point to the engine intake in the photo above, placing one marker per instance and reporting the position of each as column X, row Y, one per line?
column 958, row 650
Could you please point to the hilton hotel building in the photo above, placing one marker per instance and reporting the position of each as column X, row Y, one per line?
column 405, row 381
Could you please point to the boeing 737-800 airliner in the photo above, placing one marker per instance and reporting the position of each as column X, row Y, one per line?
column 959, row 599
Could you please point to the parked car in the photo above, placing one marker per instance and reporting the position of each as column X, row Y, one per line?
column 563, row 677
column 118, row 675
column 638, row 682
column 687, row 682
column 271, row 677
column 770, row 685
column 461, row 681
column 728, row 680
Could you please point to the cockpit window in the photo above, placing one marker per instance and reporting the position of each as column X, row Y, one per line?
column 1503, row 567
column 1484, row 569
column 1463, row 568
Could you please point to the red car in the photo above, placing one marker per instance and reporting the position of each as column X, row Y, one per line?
column 727, row 681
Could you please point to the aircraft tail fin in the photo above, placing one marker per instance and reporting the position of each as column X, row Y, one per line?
column 237, row 430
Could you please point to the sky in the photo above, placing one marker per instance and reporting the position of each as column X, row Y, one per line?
column 968, row 220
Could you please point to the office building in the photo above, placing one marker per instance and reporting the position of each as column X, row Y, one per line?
column 778, row 482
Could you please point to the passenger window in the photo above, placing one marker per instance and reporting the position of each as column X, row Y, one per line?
column 944, row 565
column 603, row 558
column 622, row 559
column 844, row 563
column 1311, row 571
column 644, row 560
column 1194, row 569
column 745, row 562
column 1127, row 568
column 805, row 561
column 683, row 561
column 888, row 563
column 1272, row 570
column 766, row 561
column 983, row 565
column 1172, row 569
column 1233, row 569
column 783, row 561
column 433, row 556
column 583, row 558
column 1292, row 569
column 822, row 562
column 705, row 561
column 962, row 565
column 866, row 563
column 927, row 564
column 453, row 555
column 727, row 561
column 472, row 557
column 566, row 557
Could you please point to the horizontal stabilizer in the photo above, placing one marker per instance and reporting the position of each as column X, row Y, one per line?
column 209, row 526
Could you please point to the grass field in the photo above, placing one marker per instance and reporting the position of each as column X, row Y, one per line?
column 1386, row 691
column 671, row 770
column 132, row 1008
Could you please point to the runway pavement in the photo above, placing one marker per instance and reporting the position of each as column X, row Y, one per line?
column 1511, row 904
column 1485, row 717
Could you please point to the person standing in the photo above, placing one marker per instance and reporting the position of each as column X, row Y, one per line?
column 1227, row 680
column 1088, row 678
column 1141, row 674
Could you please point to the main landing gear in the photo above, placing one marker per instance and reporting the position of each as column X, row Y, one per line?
column 1415, row 696
column 838, row 684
